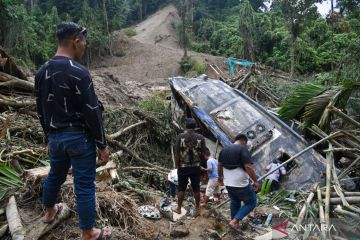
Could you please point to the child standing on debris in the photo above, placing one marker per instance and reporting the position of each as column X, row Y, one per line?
column 212, row 187
column 173, row 182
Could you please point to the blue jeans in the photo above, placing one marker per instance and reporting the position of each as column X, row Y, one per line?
column 172, row 189
column 238, row 195
column 79, row 151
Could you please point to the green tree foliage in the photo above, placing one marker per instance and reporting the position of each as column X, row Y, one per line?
column 246, row 27
column 28, row 28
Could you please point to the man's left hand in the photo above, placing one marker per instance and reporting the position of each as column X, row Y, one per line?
column 103, row 156
column 256, row 186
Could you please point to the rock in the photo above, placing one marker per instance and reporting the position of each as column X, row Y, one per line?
column 178, row 230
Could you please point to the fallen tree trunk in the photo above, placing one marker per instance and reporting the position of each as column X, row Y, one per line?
column 344, row 116
column 321, row 212
column 348, row 194
column 329, row 162
column 125, row 169
column 32, row 175
column 14, row 220
column 42, row 228
column 15, row 103
column 11, row 81
column 122, row 131
column 135, row 156
column 351, row 200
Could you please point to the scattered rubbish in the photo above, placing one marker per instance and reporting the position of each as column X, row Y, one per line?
column 149, row 212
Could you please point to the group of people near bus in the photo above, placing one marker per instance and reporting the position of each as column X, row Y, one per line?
column 233, row 169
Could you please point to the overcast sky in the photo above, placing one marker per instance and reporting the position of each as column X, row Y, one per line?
column 324, row 8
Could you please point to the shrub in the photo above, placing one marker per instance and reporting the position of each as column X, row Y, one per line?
column 130, row 31
column 199, row 67
column 119, row 53
column 186, row 64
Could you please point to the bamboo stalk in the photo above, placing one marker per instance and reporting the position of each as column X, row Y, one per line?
column 347, row 213
column 333, row 135
column 352, row 200
column 329, row 161
column 343, row 116
column 348, row 194
column 321, row 212
column 303, row 211
column 338, row 190
column 348, row 169
column 343, row 150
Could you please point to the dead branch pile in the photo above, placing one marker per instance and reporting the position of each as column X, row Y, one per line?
column 118, row 209
column 266, row 85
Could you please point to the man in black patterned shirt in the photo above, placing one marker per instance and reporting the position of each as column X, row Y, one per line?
column 71, row 117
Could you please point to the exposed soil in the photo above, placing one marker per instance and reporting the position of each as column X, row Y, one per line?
column 151, row 58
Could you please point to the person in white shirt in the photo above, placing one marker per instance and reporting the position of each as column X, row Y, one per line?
column 235, row 171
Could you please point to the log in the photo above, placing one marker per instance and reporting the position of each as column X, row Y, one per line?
column 321, row 212
column 303, row 211
column 14, row 220
column 329, row 161
column 351, row 200
column 348, row 194
column 32, row 175
column 11, row 81
column 338, row 190
column 135, row 156
column 109, row 165
column 343, row 150
column 122, row 131
column 343, row 116
column 15, row 103
column 41, row 229
column 349, row 168
column 241, row 82
column 3, row 230
column 346, row 213
column 125, row 169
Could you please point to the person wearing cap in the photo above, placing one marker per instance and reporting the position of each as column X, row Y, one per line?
column 189, row 150
column 71, row 118
column 235, row 170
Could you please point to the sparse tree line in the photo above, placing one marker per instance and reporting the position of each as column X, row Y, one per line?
column 27, row 29
column 289, row 35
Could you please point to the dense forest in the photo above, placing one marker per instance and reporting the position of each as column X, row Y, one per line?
column 289, row 35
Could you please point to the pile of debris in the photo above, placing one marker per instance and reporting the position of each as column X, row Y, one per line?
column 264, row 84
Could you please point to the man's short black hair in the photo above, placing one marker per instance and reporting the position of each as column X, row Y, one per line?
column 69, row 30
column 190, row 123
column 241, row 136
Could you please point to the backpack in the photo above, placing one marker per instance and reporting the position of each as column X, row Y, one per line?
column 190, row 151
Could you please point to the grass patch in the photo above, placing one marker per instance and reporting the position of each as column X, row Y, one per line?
column 130, row 31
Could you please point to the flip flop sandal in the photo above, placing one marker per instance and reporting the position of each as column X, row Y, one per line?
column 59, row 209
column 101, row 235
